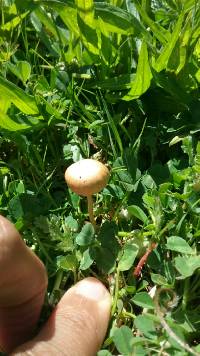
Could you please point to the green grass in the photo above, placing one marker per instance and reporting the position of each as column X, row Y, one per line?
column 119, row 83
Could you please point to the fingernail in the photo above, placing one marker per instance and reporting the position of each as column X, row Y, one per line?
column 92, row 289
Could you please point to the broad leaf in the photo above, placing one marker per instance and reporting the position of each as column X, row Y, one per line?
column 130, row 252
column 47, row 21
column 143, row 300
column 160, row 32
column 86, row 23
column 86, row 260
column 137, row 212
column 85, row 237
column 123, row 339
column 187, row 265
column 7, row 123
column 68, row 15
column 143, row 76
column 118, row 20
column 176, row 243
column 10, row 25
column 104, row 353
column 21, row 69
column 67, row 263
column 71, row 223
column 18, row 97
column 106, row 254
column 88, row 35
column 85, row 10
column 116, row 83
column 146, row 326
column 162, row 61
column 159, row 279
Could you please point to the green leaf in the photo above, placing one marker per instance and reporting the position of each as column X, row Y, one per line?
column 24, row 69
column 106, row 254
column 162, row 61
column 7, row 123
column 118, row 20
column 176, row 243
column 123, row 176
column 114, row 191
column 137, row 212
column 179, row 54
column 10, row 25
column 86, row 23
column 86, row 11
column 25, row 205
column 113, row 126
column 68, row 15
column 49, row 24
column 143, row 300
column 104, row 353
column 104, row 258
column 24, row 102
column 85, row 237
column 88, row 36
column 187, row 265
column 86, row 260
column 5, row 104
column 107, row 234
column 21, row 69
column 160, row 32
column 159, row 279
column 71, row 223
column 67, row 263
column 123, row 340
column 116, row 83
column 130, row 252
column 143, row 76
column 146, row 326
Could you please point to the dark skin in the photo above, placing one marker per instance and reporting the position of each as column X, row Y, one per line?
column 78, row 324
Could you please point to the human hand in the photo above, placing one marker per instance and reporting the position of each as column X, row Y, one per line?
column 78, row 324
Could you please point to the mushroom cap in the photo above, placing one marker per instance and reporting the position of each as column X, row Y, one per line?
column 87, row 177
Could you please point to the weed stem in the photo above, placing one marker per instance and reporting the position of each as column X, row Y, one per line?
column 167, row 328
column 185, row 293
column 114, row 306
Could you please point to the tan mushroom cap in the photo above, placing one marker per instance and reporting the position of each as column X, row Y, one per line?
column 87, row 177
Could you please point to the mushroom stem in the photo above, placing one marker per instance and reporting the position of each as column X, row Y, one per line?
column 90, row 210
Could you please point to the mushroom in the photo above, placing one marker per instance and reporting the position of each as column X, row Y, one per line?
column 87, row 177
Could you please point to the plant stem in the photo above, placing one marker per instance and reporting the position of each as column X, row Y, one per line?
column 185, row 293
column 167, row 328
column 90, row 210
column 114, row 306
column 59, row 276
column 128, row 315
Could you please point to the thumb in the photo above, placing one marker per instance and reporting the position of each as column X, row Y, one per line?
column 77, row 325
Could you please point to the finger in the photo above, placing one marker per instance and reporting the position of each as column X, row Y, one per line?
column 78, row 324
column 23, row 283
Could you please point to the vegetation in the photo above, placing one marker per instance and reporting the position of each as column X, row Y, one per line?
column 117, row 81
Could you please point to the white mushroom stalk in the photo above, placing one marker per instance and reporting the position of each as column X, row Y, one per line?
column 85, row 178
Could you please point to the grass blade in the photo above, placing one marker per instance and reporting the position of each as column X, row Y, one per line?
column 113, row 126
